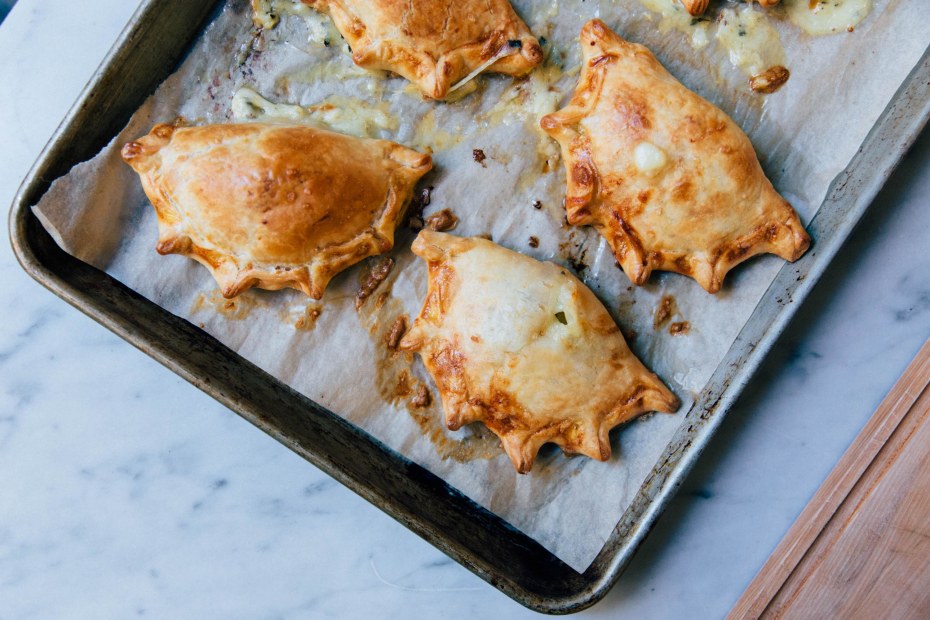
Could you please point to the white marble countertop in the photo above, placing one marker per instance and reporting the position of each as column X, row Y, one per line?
column 124, row 491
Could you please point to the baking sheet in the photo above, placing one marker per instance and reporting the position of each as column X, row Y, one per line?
column 570, row 505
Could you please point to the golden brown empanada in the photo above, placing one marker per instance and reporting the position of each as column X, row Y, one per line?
column 274, row 206
column 524, row 347
column 667, row 178
column 435, row 43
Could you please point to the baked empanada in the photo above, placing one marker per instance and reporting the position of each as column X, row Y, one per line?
column 524, row 347
column 274, row 206
column 666, row 177
column 435, row 43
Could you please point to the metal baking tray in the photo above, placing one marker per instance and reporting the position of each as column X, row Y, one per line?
column 147, row 51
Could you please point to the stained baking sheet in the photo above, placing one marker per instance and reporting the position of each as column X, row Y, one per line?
column 636, row 491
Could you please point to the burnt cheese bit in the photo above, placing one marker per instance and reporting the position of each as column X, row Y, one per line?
column 415, row 211
column 680, row 328
column 396, row 333
column 377, row 273
column 664, row 311
column 577, row 263
column 402, row 388
column 423, row 398
column 537, row 204
column 769, row 80
column 426, row 195
column 534, row 242
column 308, row 320
column 479, row 157
column 442, row 221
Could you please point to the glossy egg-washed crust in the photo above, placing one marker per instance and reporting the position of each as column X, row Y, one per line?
column 434, row 43
column 527, row 349
column 274, row 206
column 709, row 208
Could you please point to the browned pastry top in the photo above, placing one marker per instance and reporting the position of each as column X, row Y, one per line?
column 434, row 43
column 666, row 177
column 274, row 205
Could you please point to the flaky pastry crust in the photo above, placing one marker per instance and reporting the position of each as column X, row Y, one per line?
column 274, row 206
column 524, row 347
column 668, row 179
column 434, row 43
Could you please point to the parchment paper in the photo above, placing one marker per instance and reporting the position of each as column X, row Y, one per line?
column 805, row 134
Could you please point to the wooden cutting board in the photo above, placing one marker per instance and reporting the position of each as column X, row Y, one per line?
column 861, row 548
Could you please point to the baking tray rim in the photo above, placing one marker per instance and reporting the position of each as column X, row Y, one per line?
column 856, row 187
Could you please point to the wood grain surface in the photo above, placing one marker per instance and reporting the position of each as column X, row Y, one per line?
column 861, row 547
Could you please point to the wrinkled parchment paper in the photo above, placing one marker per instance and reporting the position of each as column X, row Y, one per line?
column 805, row 134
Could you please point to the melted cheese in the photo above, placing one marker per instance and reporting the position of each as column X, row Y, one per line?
column 530, row 98
column 752, row 42
column 248, row 105
column 428, row 135
column 674, row 16
column 265, row 16
column 337, row 70
column 453, row 96
column 320, row 28
column 501, row 53
column 354, row 116
column 649, row 158
column 818, row 17
column 342, row 114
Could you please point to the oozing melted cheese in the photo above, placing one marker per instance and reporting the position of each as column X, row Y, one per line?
column 248, row 105
column 676, row 17
column 827, row 16
column 649, row 158
column 503, row 52
column 747, row 33
column 528, row 100
column 320, row 28
column 343, row 114
column 427, row 134
column 338, row 70
column 752, row 42
column 265, row 15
